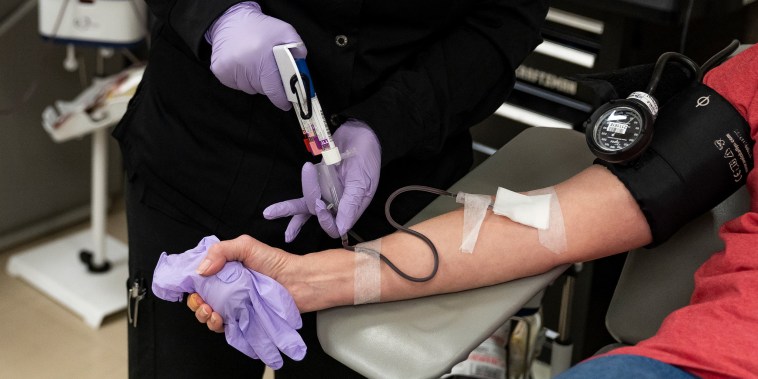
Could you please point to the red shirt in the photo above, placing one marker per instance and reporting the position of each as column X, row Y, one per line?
column 716, row 335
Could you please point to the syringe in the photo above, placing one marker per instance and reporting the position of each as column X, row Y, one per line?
column 316, row 135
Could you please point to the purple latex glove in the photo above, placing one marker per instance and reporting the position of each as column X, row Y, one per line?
column 359, row 174
column 242, row 57
column 260, row 316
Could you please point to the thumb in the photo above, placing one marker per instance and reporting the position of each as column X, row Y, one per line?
column 326, row 220
column 299, row 52
column 237, row 249
column 279, row 99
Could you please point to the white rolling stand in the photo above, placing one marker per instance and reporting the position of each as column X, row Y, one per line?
column 55, row 269
column 75, row 270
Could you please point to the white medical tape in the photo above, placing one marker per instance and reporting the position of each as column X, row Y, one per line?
column 368, row 279
column 554, row 236
column 528, row 210
column 474, row 210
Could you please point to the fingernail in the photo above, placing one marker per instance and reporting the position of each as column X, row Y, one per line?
column 192, row 301
column 204, row 312
column 203, row 266
column 213, row 318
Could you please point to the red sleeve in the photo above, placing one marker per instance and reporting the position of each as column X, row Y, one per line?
column 737, row 81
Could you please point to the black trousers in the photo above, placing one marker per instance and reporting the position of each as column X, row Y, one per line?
column 168, row 342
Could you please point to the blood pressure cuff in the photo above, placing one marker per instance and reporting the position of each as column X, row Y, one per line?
column 700, row 154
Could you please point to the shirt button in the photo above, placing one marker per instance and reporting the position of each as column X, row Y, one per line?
column 341, row 40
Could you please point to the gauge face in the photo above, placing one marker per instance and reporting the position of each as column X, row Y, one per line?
column 618, row 128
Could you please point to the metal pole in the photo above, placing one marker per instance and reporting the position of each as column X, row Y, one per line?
column 99, row 191
column 563, row 347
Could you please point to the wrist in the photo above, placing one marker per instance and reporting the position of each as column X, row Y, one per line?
column 320, row 280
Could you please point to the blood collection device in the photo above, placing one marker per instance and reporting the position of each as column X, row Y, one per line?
column 316, row 135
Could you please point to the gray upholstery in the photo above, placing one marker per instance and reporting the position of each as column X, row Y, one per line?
column 424, row 338
column 655, row 282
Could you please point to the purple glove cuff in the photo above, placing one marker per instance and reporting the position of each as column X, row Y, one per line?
column 163, row 292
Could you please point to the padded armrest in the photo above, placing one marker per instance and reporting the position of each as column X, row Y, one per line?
column 655, row 282
column 424, row 338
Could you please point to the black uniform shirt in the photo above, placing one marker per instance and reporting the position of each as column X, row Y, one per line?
column 419, row 72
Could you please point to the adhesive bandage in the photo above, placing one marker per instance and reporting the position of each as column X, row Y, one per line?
column 368, row 280
column 474, row 210
column 539, row 209
column 554, row 236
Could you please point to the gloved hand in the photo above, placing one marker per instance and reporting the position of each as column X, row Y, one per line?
column 242, row 41
column 358, row 173
column 260, row 315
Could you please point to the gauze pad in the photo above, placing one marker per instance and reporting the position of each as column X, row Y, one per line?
column 531, row 211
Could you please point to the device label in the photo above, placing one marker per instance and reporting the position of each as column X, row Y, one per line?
column 736, row 153
column 646, row 99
